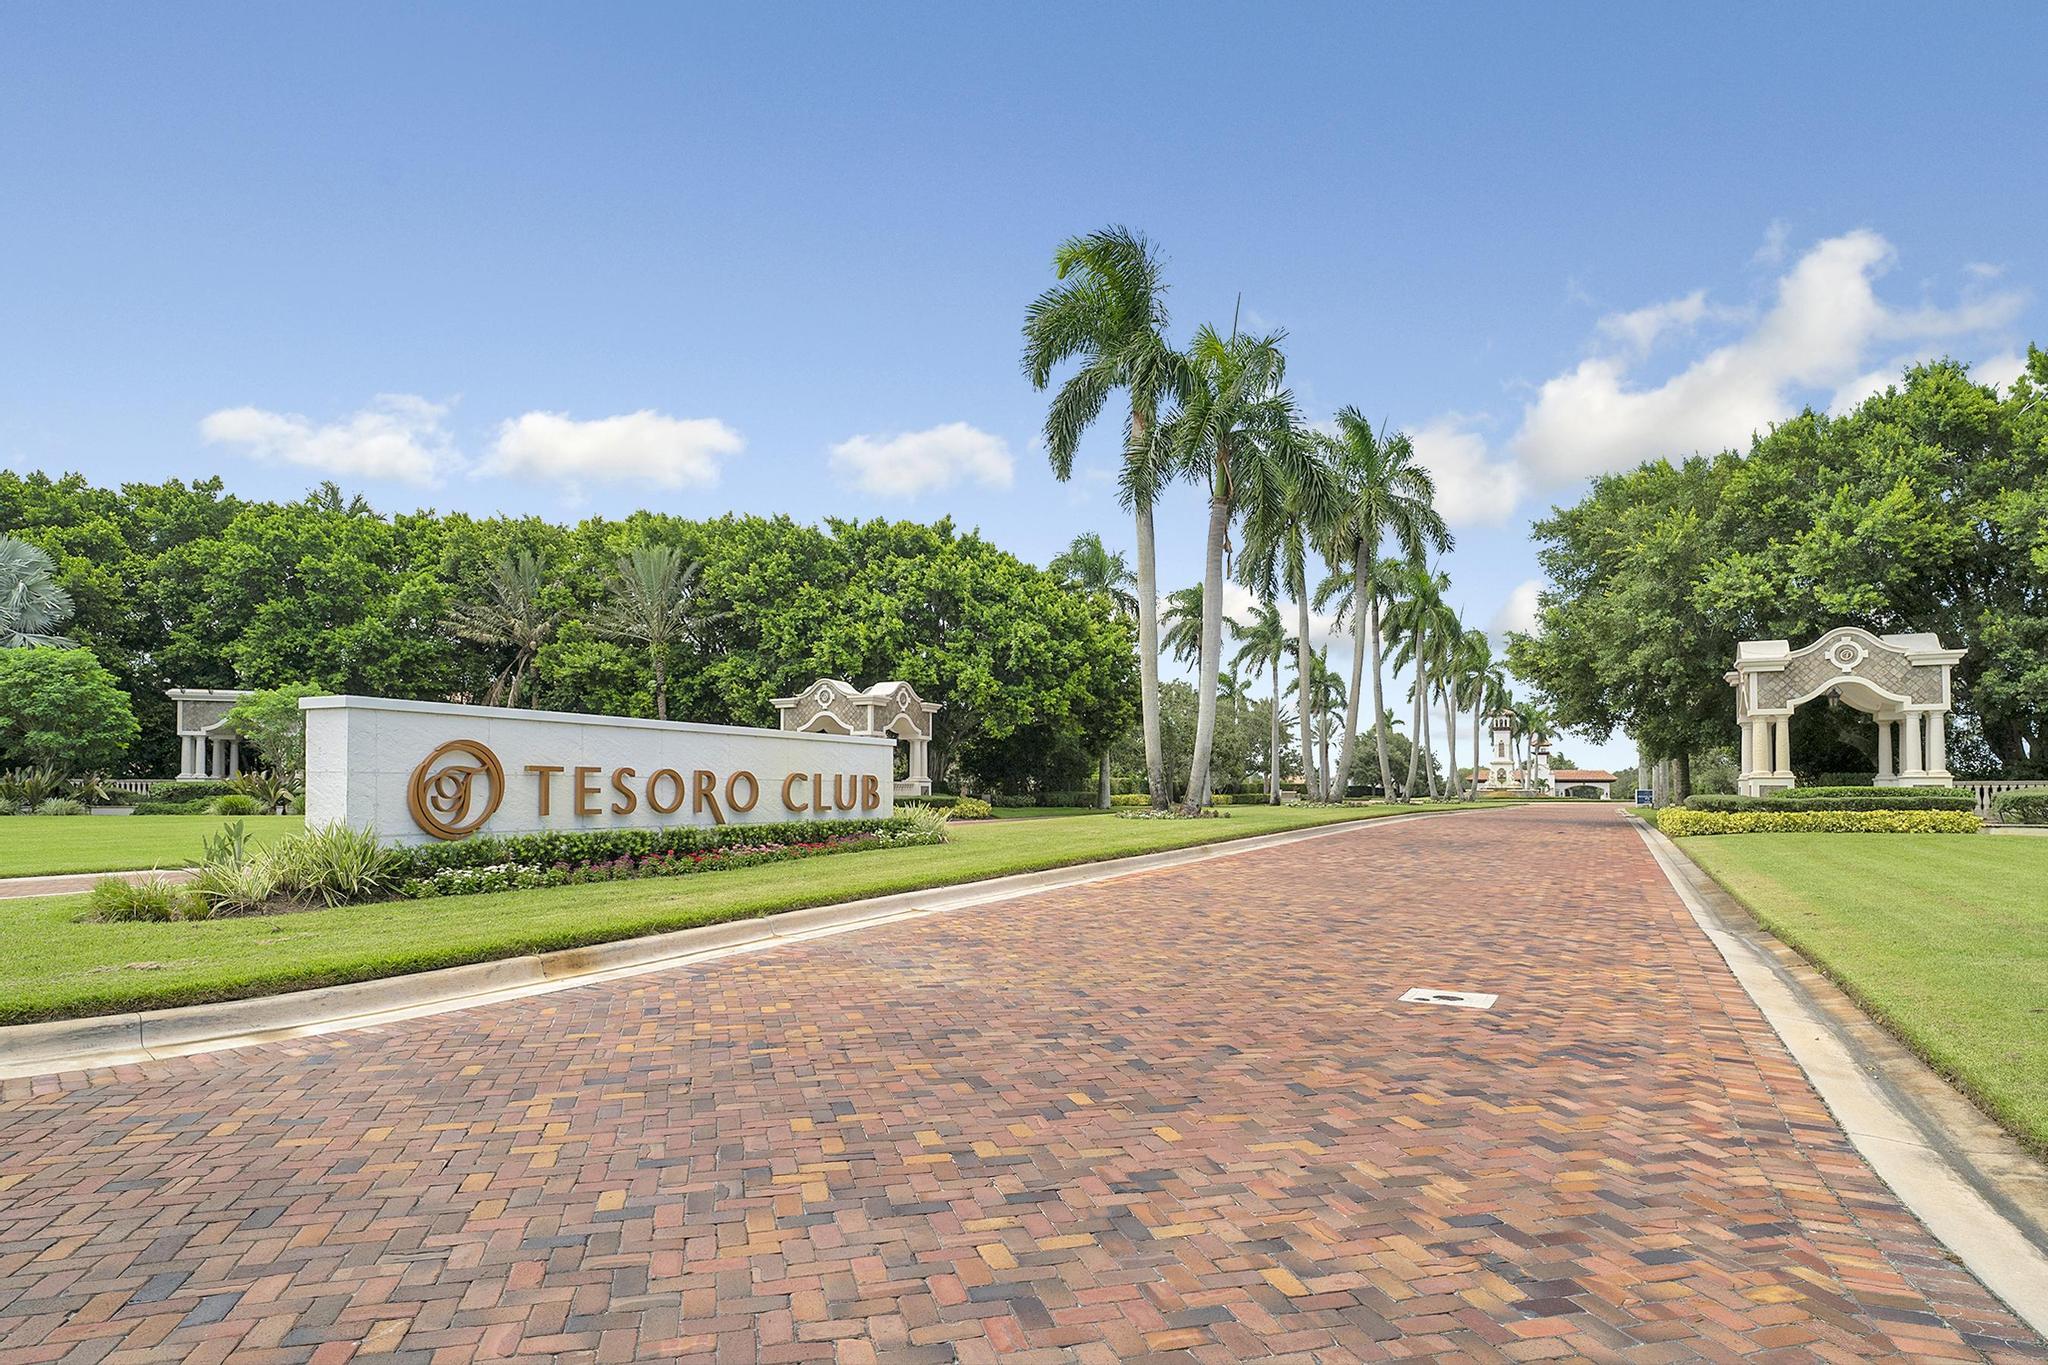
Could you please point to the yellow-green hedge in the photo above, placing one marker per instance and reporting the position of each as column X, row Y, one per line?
column 1130, row 799
column 1679, row 822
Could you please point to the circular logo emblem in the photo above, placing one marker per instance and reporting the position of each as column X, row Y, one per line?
column 455, row 789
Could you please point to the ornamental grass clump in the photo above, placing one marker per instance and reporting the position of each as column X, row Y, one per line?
column 2025, row 807
column 125, row 900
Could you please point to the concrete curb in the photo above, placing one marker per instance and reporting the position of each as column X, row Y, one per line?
column 123, row 1039
column 1964, row 1177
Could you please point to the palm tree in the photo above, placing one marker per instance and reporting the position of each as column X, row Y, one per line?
column 1183, row 620
column 1235, row 432
column 654, row 601
column 1109, row 313
column 1265, row 644
column 1326, row 697
column 509, row 616
column 1530, row 718
column 1279, row 536
column 32, row 602
column 1411, row 625
column 1094, row 568
column 1483, row 685
column 1382, row 491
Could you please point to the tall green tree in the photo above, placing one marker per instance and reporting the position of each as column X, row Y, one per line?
column 1183, row 621
column 509, row 615
column 1382, row 492
column 1108, row 314
column 1280, row 539
column 1094, row 568
column 1414, row 626
column 654, row 601
column 1235, row 434
column 59, row 707
column 1262, row 644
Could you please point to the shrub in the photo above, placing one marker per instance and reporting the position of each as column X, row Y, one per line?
column 927, row 820
column 1127, row 799
column 1844, row 779
column 1894, row 798
column 1873, row 790
column 182, row 792
column 333, row 865
column 967, row 808
column 236, row 804
column 938, row 799
column 155, row 897
column 30, row 787
column 269, row 789
column 203, row 806
column 1067, row 799
column 597, row 846
column 60, row 805
column 1681, row 821
column 272, row 721
column 2026, row 807
column 1009, row 802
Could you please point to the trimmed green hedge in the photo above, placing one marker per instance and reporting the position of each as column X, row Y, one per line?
column 1868, row 789
column 1678, row 822
column 1894, row 798
column 968, row 808
column 182, row 792
column 2021, row 807
column 595, row 846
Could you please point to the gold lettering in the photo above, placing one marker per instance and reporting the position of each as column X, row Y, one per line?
column 586, row 791
column 629, row 802
column 546, row 773
column 870, row 792
column 845, row 790
column 707, row 795
column 789, row 802
column 655, row 803
column 732, row 786
column 818, row 792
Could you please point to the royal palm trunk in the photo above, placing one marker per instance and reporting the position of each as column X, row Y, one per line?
column 1349, row 749
column 1212, row 650
column 1303, row 666
column 1148, row 645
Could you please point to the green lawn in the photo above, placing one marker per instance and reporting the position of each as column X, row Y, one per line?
column 1043, row 812
column 1943, row 938
column 57, row 966
column 32, row 845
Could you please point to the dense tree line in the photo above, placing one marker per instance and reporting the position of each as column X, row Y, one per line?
column 185, row 584
column 1924, row 509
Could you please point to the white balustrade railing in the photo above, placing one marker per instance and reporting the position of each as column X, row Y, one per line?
column 1987, row 790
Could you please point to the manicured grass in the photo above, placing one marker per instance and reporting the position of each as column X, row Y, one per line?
column 1043, row 812
column 57, row 966
column 1943, row 939
column 35, row 845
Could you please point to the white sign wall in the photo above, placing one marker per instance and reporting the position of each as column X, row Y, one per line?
column 416, row 771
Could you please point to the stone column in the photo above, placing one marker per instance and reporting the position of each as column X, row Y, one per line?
column 1884, row 749
column 234, row 758
column 1748, row 759
column 185, row 746
column 1937, row 744
column 1911, row 764
column 1782, row 746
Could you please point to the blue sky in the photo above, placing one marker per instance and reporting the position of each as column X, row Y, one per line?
column 581, row 259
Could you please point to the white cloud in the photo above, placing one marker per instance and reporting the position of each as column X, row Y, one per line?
column 1472, row 489
column 1639, row 330
column 398, row 436
column 1816, row 336
column 637, row 447
column 1518, row 613
column 2000, row 369
column 914, row 462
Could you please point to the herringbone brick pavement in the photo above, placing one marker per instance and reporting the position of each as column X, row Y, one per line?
column 1177, row 1115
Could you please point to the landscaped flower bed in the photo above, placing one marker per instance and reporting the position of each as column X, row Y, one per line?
column 516, row 876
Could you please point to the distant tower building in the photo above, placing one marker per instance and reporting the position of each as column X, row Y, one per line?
column 1539, row 764
column 1503, row 726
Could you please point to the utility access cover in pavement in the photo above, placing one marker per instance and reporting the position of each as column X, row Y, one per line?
column 1465, row 1000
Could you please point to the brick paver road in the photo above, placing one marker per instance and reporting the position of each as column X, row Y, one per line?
column 1179, row 1112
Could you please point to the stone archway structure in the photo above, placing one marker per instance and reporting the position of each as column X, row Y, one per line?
column 1901, row 681
column 831, row 706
